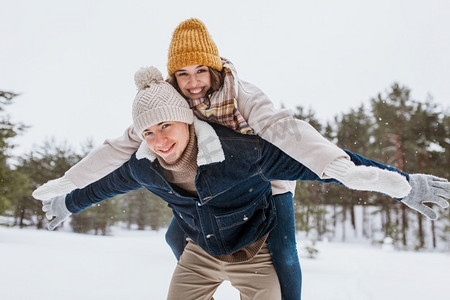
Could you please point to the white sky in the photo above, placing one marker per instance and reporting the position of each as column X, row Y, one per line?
column 73, row 62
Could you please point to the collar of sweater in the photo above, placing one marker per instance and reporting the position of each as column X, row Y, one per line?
column 208, row 144
column 186, row 165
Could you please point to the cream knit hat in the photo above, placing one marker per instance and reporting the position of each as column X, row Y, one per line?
column 157, row 101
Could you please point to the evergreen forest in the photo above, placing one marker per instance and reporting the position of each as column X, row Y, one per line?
column 411, row 135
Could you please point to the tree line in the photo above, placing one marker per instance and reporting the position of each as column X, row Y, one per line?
column 411, row 135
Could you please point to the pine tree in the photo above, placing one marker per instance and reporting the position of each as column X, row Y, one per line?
column 46, row 162
column 392, row 115
column 144, row 209
column 353, row 133
column 428, row 134
column 97, row 219
column 12, row 183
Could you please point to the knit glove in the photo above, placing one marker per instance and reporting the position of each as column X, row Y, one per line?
column 57, row 208
column 366, row 178
column 53, row 188
column 427, row 189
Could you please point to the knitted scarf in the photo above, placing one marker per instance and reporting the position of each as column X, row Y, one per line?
column 221, row 107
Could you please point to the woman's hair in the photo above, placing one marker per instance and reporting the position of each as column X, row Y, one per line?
column 217, row 78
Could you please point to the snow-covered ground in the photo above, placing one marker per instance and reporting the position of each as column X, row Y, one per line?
column 138, row 265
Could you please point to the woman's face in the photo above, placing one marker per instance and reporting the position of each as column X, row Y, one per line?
column 194, row 81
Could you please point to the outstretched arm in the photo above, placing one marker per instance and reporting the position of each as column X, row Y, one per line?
column 304, row 144
column 364, row 174
column 97, row 164
column 307, row 146
column 59, row 208
column 295, row 137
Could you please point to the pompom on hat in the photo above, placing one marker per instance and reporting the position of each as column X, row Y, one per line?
column 157, row 101
column 192, row 45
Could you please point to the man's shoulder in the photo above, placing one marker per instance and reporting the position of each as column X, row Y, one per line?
column 138, row 164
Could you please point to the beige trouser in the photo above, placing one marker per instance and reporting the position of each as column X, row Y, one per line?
column 198, row 274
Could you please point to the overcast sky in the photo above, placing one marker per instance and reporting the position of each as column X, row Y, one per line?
column 73, row 62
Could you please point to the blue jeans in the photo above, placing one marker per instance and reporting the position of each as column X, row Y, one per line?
column 281, row 244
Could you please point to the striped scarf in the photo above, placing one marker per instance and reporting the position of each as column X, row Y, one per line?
column 221, row 107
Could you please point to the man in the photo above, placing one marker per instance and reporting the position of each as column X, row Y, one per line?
column 217, row 183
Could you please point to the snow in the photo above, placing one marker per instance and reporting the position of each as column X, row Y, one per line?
column 40, row 264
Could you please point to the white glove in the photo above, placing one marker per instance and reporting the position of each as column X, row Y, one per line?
column 427, row 189
column 366, row 178
column 53, row 188
column 57, row 208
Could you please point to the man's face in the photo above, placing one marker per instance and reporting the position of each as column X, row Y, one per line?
column 194, row 81
column 167, row 139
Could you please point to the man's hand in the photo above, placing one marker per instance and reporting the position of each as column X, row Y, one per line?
column 427, row 189
column 56, row 208
column 54, row 188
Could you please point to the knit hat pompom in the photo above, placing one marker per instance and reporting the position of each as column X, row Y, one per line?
column 147, row 75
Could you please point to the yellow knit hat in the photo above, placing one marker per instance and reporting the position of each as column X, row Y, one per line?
column 192, row 45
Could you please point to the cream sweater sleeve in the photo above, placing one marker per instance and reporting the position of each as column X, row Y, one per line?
column 104, row 159
column 295, row 137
